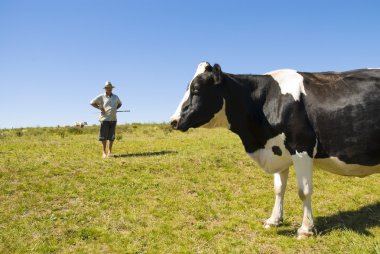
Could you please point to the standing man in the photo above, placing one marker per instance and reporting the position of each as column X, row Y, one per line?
column 108, row 103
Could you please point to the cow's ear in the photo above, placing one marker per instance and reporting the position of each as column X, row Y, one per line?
column 217, row 73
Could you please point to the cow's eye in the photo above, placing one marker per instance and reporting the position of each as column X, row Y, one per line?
column 195, row 90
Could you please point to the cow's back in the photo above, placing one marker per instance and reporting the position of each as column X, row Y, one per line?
column 344, row 111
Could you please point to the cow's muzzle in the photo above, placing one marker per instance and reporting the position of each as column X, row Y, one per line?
column 174, row 124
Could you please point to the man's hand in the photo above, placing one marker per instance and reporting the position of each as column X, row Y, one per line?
column 99, row 107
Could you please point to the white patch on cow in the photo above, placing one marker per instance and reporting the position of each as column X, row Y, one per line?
column 315, row 148
column 290, row 82
column 200, row 69
column 269, row 161
column 219, row 119
column 336, row 166
column 177, row 113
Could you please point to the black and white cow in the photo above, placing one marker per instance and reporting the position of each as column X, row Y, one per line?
column 285, row 117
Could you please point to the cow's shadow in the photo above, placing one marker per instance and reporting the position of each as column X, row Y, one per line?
column 358, row 221
column 144, row 154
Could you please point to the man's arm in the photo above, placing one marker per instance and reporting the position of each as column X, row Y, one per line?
column 98, row 107
column 119, row 103
column 96, row 103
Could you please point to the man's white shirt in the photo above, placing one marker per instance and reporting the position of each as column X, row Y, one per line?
column 109, row 103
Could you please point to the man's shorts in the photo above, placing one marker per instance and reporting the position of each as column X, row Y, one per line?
column 107, row 130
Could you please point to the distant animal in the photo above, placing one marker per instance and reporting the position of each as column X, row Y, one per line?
column 80, row 124
column 286, row 117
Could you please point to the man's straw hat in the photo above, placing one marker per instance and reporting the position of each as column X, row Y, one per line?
column 108, row 84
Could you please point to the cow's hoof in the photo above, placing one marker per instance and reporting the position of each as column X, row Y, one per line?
column 304, row 233
column 269, row 223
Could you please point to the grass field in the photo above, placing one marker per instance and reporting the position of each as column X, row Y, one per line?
column 166, row 192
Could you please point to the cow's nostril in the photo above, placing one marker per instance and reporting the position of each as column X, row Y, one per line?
column 174, row 124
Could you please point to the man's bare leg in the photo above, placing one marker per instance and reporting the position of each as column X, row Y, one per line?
column 104, row 143
column 110, row 148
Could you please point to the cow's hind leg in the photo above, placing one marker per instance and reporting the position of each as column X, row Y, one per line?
column 303, row 165
column 280, row 180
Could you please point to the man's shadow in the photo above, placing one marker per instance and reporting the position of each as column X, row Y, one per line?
column 144, row 154
column 358, row 221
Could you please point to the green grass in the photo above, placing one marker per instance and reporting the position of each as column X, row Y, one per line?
column 167, row 192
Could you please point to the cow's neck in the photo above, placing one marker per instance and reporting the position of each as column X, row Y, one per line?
column 244, row 97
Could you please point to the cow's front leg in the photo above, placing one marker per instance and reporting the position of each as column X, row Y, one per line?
column 303, row 165
column 280, row 180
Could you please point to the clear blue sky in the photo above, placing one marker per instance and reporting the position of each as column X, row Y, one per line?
column 56, row 55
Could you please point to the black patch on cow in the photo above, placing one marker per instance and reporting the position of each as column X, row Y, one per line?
column 276, row 150
column 344, row 111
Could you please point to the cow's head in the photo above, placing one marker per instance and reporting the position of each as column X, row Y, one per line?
column 203, row 103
